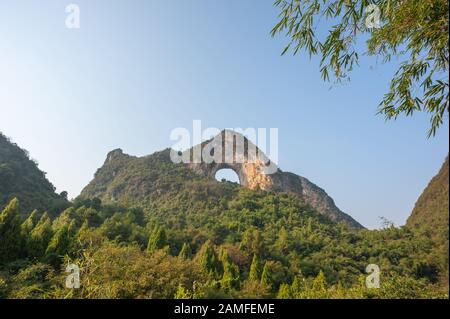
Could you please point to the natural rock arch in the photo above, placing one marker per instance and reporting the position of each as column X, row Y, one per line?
column 221, row 170
column 247, row 161
column 109, row 183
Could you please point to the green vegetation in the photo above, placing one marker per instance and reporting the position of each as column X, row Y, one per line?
column 413, row 31
column 233, row 243
column 161, row 231
column 432, row 206
column 431, row 212
column 21, row 178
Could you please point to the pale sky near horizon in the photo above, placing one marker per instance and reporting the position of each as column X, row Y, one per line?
column 136, row 70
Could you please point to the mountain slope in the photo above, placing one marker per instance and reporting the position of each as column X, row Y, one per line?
column 233, row 150
column 20, row 177
column 143, row 181
column 432, row 207
column 130, row 180
column 430, row 216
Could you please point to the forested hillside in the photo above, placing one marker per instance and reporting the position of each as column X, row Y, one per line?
column 142, row 181
column 21, row 178
column 432, row 208
column 171, row 233
column 431, row 214
column 210, row 240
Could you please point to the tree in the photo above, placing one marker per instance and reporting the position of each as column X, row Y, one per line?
column 297, row 286
column 158, row 239
column 40, row 237
column 64, row 195
column 230, row 278
column 255, row 269
column 10, row 232
column 182, row 293
column 254, row 290
column 252, row 241
column 207, row 258
column 266, row 277
column 186, row 252
column 284, row 292
column 29, row 223
column 59, row 245
column 413, row 30
column 282, row 243
column 319, row 286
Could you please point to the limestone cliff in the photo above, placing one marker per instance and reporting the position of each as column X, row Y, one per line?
column 256, row 171
column 142, row 180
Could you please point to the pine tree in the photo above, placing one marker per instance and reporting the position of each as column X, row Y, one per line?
column 251, row 241
column 266, row 277
column 158, row 240
column 284, row 292
column 282, row 242
column 207, row 258
column 186, row 252
column 10, row 232
column 29, row 223
column 255, row 269
column 319, row 286
column 297, row 286
column 40, row 237
column 230, row 278
column 59, row 245
column 25, row 230
column 339, row 291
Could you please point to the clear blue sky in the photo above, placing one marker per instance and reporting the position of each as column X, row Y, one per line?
column 137, row 69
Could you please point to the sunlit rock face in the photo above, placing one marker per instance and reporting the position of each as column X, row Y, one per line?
column 130, row 180
column 234, row 151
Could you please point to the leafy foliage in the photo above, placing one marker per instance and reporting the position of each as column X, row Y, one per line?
column 202, row 250
column 413, row 30
column 195, row 238
column 10, row 232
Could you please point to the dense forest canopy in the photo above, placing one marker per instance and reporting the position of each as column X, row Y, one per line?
column 187, row 236
column 211, row 240
column 148, row 228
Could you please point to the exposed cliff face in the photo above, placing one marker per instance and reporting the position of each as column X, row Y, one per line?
column 133, row 180
column 255, row 171
column 232, row 150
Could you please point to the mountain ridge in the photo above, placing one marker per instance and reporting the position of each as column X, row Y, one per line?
column 431, row 216
column 153, row 174
column 21, row 178
column 432, row 207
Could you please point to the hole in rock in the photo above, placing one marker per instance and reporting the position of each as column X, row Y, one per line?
column 227, row 175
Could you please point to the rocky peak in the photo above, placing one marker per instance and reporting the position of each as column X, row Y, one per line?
column 251, row 164
column 133, row 180
column 114, row 155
